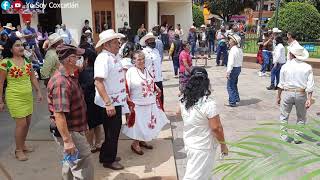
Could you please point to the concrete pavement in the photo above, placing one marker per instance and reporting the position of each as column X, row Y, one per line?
column 168, row 158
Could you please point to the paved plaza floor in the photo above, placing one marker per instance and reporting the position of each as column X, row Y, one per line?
column 168, row 158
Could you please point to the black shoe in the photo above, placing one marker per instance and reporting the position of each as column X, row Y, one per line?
column 271, row 87
column 231, row 105
column 297, row 142
column 117, row 160
column 114, row 166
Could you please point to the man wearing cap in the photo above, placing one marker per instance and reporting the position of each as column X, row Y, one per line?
column 51, row 63
column 295, row 88
column 235, row 60
column 153, row 60
column 68, row 111
column 110, row 95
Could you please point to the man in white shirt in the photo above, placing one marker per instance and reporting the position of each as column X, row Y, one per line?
column 65, row 34
column 279, row 59
column 179, row 31
column 110, row 95
column 296, row 83
column 153, row 60
column 235, row 60
column 291, row 41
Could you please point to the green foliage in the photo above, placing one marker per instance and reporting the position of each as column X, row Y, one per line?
column 264, row 156
column 197, row 14
column 226, row 8
column 315, row 3
column 301, row 18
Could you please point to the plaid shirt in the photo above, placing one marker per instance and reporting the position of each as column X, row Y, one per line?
column 65, row 95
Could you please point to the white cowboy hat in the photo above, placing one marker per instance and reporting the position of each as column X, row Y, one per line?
column 203, row 26
column 108, row 35
column 276, row 30
column 146, row 37
column 9, row 26
column 299, row 52
column 53, row 38
column 87, row 31
column 192, row 27
column 236, row 38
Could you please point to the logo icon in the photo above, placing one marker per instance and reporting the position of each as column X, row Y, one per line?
column 5, row 5
column 17, row 5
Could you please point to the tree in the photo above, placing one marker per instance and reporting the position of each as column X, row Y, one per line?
column 301, row 18
column 197, row 14
column 226, row 8
column 316, row 3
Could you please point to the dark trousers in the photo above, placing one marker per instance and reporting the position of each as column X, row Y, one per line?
column 211, row 47
column 232, row 86
column 222, row 50
column 112, row 127
column 159, row 84
column 193, row 48
column 175, row 61
column 275, row 74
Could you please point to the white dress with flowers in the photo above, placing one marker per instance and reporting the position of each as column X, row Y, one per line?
column 149, row 118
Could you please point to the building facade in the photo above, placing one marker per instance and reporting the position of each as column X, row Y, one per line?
column 113, row 14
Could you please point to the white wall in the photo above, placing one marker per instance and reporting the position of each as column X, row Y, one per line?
column 74, row 17
column 152, row 14
column 121, row 13
column 182, row 12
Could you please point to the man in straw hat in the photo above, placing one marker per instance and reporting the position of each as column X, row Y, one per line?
column 235, row 60
column 110, row 95
column 295, row 88
column 153, row 60
column 192, row 40
column 66, row 97
column 51, row 63
column 8, row 29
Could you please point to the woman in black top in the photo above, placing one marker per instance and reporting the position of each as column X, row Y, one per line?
column 86, row 80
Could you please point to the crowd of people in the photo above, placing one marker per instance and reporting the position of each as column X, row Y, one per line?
column 89, row 91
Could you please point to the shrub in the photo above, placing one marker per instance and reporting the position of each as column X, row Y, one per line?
column 197, row 15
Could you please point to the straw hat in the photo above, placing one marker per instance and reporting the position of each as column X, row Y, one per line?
column 192, row 27
column 87, row 31
column 53, row 39
column 9, row 26
column 146, row 37
column 276, row 30
column 108, row 35
column 236, row 38
column 299, row 52
column 203, row 26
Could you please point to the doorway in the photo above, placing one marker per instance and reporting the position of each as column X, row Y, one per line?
column 50, row 18
column 167, row 19
column 9, row 18
column 138, row 9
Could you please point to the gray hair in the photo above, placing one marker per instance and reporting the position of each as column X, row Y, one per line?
column 139, row 53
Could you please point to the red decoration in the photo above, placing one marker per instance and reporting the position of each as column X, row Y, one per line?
column 26, row 17
column 28, row 69
column 15, row 72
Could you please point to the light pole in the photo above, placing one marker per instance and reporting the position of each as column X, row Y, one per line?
column 277, row 11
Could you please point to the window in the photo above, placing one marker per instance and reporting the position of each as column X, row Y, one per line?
column 100, row 19
column 265, row 7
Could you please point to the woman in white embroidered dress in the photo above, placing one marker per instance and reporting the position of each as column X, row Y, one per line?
column 148, row 118
column 202, row 126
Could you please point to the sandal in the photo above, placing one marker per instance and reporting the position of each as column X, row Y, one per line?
column 27, row 149
column 145, row 145
column 20, row 155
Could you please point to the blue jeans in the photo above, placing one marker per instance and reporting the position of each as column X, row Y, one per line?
column 275, row 74
column 193, row 48
column 266, row 55
column 232, row 86
column 211, row 47
column 222, row 50
column 176, row 65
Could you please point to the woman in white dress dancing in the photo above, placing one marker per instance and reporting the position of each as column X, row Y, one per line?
column 146, row 119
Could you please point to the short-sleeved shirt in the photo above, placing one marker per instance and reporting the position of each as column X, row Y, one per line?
column 29, row 31
column 108, row 67
column 65, row 95
column 197, row 133
column 184, row 55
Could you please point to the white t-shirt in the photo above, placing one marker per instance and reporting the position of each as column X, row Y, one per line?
column 196, row 131
column 153, row 63
column 108, row 67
